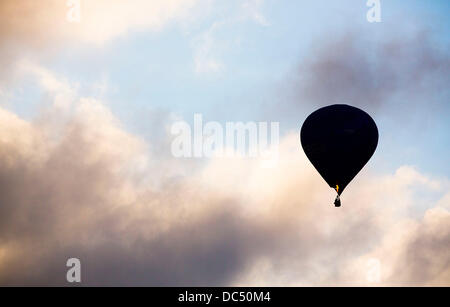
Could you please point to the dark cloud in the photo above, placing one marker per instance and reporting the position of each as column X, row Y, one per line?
column 354, row 68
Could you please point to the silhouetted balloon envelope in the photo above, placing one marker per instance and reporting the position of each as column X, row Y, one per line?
column 339, row 140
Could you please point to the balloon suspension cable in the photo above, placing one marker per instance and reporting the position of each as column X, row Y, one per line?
column 337, row 201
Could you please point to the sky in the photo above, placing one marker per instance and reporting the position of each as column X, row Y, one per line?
column 86, row 168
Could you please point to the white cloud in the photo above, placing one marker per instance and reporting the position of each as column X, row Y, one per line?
column 62, row 92
column 209, row 47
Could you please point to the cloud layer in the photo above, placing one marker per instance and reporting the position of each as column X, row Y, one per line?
column 84, row 188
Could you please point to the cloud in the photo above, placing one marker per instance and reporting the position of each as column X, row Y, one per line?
column 210, row 45
column 32, row 28
column 405, row 69
column 413, row 254
column 63, row 92
column 85, row 188
column 75, row 183
column 100, row 20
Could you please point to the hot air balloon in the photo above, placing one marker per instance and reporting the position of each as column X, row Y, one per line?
column 339, row 140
